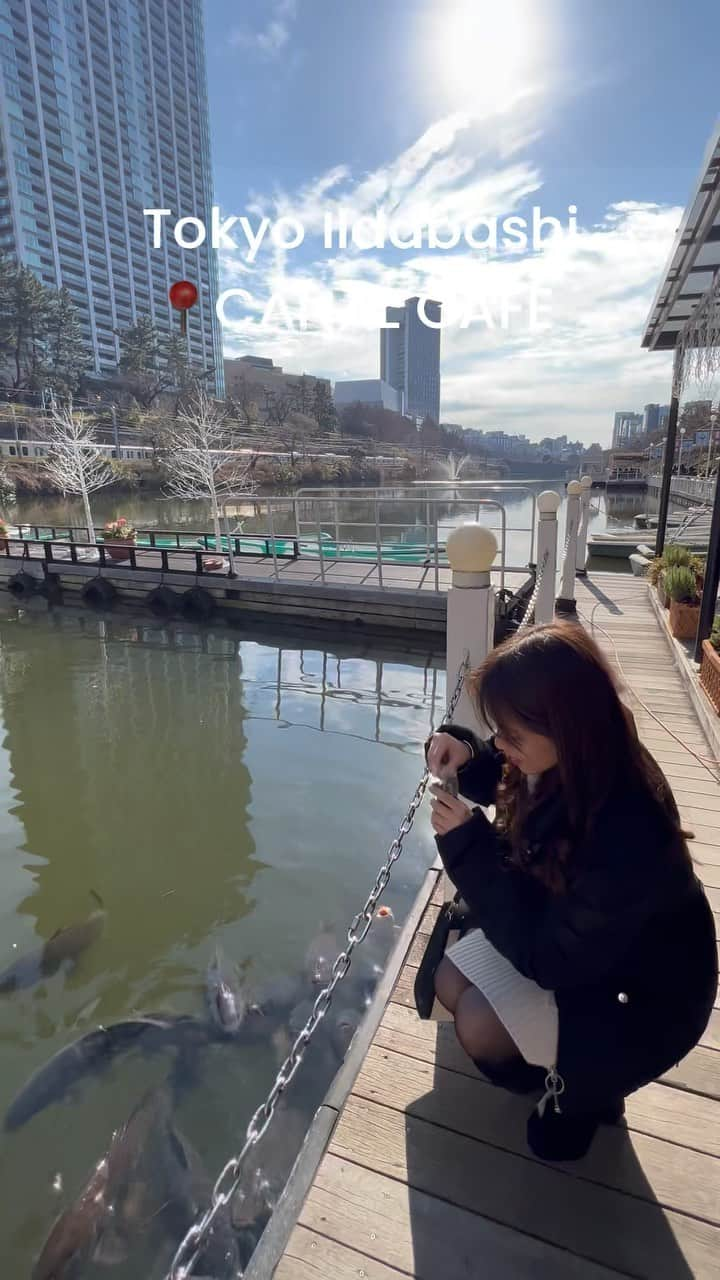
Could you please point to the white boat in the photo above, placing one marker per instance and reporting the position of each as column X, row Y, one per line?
column 616, row 546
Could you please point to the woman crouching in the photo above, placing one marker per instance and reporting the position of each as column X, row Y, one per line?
column 593, row 966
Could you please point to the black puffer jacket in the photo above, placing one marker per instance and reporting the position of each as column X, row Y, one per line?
column 628, row 948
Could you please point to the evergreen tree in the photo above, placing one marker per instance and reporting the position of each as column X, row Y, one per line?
column 177, row 363
column 152, row 364
column 139, row 347
column 25, row 308
column 7, row 285
column 67, row 358
column 323, row 409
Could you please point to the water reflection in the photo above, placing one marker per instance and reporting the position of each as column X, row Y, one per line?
column 213, row 789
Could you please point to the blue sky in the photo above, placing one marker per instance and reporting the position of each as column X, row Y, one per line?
column 457, row 110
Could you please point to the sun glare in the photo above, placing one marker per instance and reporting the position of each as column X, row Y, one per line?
column 488, row 54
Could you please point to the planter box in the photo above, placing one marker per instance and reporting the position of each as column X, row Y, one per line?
column 117, row 548
column 710, row 674
column 660, row 588
column 684, row 619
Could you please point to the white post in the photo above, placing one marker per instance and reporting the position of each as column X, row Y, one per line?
column 585, row 496
column 566, row 600
column 228, row 535
column 547, row 535
column 471, row 550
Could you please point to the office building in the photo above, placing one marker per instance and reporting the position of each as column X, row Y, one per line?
column 626, row 426
column 369, row 391
column 103, row 112
column 651, row 418
column 410, row 356
column 254, row 377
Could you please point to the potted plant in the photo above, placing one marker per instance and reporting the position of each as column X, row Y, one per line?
column 710, row 666
column 697, row 564
column 118, row 535
column 671, row 558
column 656, row 578
column 4, row 531
column 681, row 587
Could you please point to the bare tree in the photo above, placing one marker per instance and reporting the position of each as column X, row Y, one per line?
column 244, row 402
column 296, row 431
column 197, row 461
column 74, row 462
column 278, row 407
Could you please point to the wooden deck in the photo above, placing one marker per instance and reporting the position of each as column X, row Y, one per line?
column 262, row 568
column 426, row 1172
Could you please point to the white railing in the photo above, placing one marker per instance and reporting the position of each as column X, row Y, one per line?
column 688, row 487
column 379, row 529
column 386, row 526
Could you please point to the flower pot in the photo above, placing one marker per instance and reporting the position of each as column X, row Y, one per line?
column 117, row 548
column 710, row 674
column 684, row 620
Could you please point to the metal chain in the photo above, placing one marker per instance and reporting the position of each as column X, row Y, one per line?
column 570, row 534
column 230, row 1177
column 530, row 608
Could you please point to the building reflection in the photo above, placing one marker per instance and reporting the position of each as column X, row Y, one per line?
column 128, row 747
column 128, row 761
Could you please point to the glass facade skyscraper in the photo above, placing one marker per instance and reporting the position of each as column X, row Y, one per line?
column 410, row 356
column 103, row 112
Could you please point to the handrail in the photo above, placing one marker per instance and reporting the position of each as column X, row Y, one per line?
column 77, row 553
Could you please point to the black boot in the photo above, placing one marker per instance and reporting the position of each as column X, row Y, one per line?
column 517, row 1076
column 559, row 1136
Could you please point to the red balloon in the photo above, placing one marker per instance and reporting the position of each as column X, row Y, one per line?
column 183, row 295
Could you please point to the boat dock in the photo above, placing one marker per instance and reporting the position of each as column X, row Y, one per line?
column 416, row 1167
column 371, row 558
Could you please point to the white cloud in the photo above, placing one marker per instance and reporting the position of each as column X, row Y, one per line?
column 272, row 38
column 566, row 379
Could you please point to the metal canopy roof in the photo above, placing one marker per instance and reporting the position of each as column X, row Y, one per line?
column 694, row 260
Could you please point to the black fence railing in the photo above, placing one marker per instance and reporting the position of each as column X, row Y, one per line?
column 202, row 560
column 173, row 539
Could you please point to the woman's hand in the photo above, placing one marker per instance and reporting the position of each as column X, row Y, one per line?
column 447, row 754
column 447, row 811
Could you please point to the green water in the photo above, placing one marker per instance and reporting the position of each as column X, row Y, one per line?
column 213, row 788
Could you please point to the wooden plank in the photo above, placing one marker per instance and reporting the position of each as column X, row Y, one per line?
column 713, row 896
column 311, row 1256
column 700, row 784
column 699, row 1071
column 536, row 1199
column 701, row 806
column 668, row 1173
column 421, row 1235
column 672, row 1114
column 707, row 872
column 711, row 1035
column 701, row 820
column 700, row 849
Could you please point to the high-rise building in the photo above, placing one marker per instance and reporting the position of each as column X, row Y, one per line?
column 626, row 425
column 410, row 356
column 651, row 418
column 103, row 112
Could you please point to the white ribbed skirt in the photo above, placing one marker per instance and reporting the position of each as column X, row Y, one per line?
column 528, row 1012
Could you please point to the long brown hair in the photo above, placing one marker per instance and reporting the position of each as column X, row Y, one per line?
column 554, row 680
